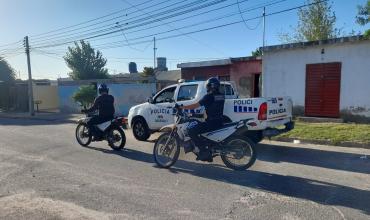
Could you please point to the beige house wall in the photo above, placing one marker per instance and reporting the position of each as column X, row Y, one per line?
column 48, row 95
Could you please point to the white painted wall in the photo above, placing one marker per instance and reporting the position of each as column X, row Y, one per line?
column 285, row 72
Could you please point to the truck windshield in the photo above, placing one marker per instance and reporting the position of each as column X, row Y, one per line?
column 187, row 92
column 166, row 95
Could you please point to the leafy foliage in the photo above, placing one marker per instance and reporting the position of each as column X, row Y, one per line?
column 257, row 52
column 6, row 71
column 147, row 72
column 362, row 17
column 316, row 22
column 85, row 62
column 367, row 34
column 85, row 95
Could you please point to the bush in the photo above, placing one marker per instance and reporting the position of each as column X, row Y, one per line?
column 85, row 96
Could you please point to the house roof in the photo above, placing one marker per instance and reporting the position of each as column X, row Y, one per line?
column 171, row 75
column 221, row 62
column 340, row 40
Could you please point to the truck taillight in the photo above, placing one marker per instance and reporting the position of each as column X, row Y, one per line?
column 262, row 113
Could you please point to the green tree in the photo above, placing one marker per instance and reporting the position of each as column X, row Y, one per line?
column 85, row 62
column 7, row 74
column 316, row 22
column 85, row 95
column 257, row 52
column 363, row 16
column 147, row 72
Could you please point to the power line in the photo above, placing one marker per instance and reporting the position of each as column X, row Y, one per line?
column 245, row 23
column 190, row 10
column 204, row 29
column 111, row 20
column 229, row 24
column 191, row 25
column 181, row 19
column 109, row 33
column 86, row 22
column 139, row 19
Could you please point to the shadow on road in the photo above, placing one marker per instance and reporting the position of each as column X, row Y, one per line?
column 318, row 191
column 314, row 157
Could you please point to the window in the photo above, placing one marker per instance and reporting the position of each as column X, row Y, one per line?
column 226, row 89
column 166, row 95
column 187, row 92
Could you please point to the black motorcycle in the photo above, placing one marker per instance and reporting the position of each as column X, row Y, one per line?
column 111, row 131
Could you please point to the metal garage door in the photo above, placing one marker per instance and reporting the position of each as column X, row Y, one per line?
column 323, row 89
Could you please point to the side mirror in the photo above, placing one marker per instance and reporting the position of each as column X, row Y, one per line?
column 150, row 100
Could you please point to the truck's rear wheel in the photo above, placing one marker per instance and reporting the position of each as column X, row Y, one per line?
column 140, row 129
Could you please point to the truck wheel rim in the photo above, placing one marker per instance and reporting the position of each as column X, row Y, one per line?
column 139, row 128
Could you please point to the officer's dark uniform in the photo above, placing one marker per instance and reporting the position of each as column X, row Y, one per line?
column 105, row 105
column 214, row 105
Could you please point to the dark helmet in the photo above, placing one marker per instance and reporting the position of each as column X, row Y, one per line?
column 213, row 84
column 103, row 88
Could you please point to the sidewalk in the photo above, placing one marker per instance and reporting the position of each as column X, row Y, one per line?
column 45, row 116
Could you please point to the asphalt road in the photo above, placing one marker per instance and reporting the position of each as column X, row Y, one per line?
column 45, row 174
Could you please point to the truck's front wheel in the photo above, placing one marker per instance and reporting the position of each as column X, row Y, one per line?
column 140, row 130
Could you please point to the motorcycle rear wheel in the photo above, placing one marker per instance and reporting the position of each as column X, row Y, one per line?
column 116, row 138
column 166, row 146
column 83, row 135
column 239, row 153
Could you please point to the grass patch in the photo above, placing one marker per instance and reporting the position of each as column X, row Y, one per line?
column 333, row 132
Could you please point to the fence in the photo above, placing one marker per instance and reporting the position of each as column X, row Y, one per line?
column 14, row 97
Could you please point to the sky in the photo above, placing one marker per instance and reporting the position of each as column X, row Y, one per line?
column 52, row 22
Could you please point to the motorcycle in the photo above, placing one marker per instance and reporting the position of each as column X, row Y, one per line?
column 111, row 131
column 235, row 149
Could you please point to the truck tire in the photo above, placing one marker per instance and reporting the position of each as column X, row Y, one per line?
column 140, row 129
column 255, row 136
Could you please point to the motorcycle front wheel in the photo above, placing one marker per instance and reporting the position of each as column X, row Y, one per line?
column 83, row 135
column 166, row 150
column 239, row 153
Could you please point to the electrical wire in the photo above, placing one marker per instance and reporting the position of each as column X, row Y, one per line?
column 109, row 33
column 184, row 27
column 245, row 23
column 86, row 22
column 209, row 28
column 139, row 19
column 227, row 24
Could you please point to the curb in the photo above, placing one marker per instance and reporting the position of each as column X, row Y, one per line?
column 322, row 142
column 72, row 120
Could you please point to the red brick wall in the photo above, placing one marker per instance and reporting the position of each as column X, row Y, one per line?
column 242, row 73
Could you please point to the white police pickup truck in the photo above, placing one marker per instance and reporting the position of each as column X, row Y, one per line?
column 265, row 114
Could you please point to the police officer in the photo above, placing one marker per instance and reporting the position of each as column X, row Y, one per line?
column 213, row 102
column 104, row 103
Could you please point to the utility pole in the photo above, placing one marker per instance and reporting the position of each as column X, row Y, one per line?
column 263, row 49
column 30, row 90
column 264, row 28
column 154, row 49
